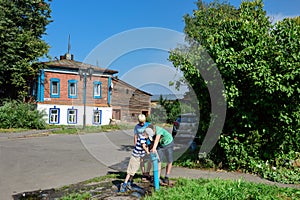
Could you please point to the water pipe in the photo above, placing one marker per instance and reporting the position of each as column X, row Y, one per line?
column 154, row 158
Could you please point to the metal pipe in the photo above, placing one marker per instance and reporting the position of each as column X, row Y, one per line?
column 84, row 101
column 154, row 158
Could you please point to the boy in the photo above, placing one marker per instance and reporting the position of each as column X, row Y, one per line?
column 164, row 146
column 136, row 158
column 139, row 129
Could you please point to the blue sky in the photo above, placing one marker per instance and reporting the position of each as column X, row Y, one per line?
column 111, row 34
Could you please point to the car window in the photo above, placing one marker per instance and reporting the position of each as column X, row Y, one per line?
column 188, row 119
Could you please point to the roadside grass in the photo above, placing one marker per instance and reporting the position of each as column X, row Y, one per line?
column 63, row 129
column 12, row 130
column 214, row 189
column 208, row 189
column 69, row 129
column 84, row 196
column 90, row 129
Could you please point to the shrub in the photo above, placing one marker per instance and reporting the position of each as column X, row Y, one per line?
column 15, row 114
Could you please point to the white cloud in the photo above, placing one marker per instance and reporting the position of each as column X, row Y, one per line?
column 279, row 17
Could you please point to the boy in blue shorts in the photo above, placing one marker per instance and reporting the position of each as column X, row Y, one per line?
column 164, row 146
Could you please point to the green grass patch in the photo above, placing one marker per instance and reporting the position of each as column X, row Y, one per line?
column 215, row 189
column 84, row 196
column 90, row 129
column 63, row 129
column 13, row 130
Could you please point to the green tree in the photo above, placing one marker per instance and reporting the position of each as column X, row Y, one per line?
column 259, row 65
column 22, row 24
column 172, row 108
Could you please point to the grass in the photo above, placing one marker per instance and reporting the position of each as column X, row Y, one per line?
column 63, row 129
column 84, row 196
column 90, row 129
column 216, row 189
column 208, row 189
column 13, row 130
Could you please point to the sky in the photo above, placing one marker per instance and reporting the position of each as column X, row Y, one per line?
column 133, row 36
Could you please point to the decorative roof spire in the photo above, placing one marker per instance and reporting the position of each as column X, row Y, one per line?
column 68, row 56
column 69, row 44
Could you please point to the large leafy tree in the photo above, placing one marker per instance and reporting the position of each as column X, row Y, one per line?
column 259, row 62
column 22, row 24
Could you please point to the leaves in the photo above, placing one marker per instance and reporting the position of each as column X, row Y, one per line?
column 22, row 24
column 260, row 67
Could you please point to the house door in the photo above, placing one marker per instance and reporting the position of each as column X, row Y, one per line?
column 116, row 114
column 145, row 113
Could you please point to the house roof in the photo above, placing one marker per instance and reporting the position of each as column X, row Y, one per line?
column 72, row 64
column 170, row 97
column 130, row 86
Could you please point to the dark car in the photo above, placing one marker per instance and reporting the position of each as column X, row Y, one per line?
column 185, row 124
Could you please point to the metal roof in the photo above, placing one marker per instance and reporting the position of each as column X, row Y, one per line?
column 72, row 64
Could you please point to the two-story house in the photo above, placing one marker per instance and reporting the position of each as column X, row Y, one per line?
column 75, row 93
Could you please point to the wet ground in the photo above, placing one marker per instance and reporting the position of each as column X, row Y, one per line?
column 104, row 189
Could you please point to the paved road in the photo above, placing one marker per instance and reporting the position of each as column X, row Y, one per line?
column 31, row 161
column 43, row 162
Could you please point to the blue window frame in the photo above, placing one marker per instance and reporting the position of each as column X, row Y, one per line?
column 97, row 90
column 72, row 116
column 72, row 89
column 54, row 88
column 97, row 116
column 54, row 115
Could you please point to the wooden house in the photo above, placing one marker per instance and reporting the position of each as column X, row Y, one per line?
column 128, row 101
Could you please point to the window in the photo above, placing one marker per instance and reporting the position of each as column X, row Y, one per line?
column 97, row 89
column 54, row 88
column 97, row 116
column 72, row 116
column 72, row 89
column 54, row 116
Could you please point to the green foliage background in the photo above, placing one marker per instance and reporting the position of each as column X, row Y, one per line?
column 22, row 24
column 168, row 110
column 259, row 62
